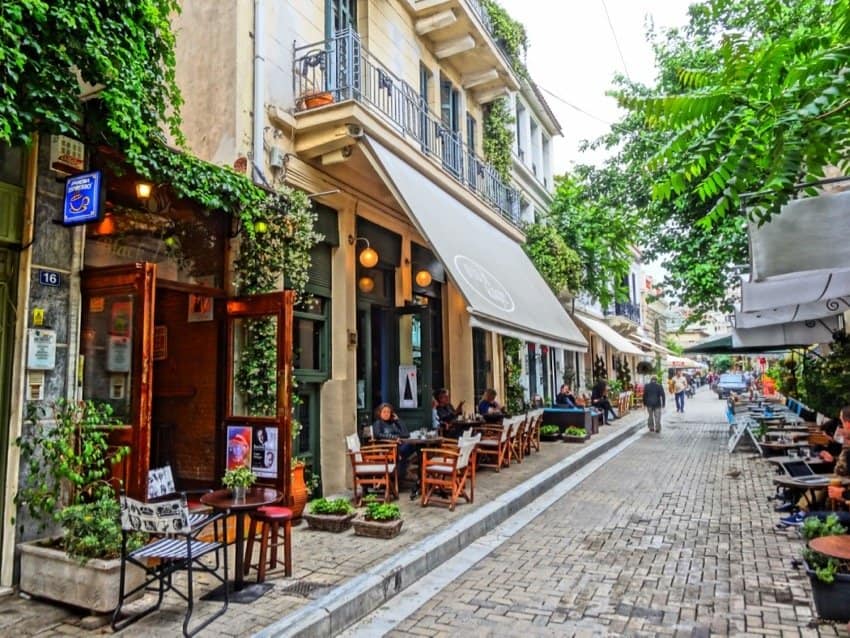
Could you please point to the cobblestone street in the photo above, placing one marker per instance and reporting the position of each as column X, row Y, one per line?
column 672, row 537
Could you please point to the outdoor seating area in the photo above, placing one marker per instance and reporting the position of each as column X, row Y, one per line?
column 809, row 493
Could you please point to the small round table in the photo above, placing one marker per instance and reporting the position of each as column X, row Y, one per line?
column 223, row 501
column 832, row 546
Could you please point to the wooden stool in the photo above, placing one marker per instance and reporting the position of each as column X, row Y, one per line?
column 270, row 519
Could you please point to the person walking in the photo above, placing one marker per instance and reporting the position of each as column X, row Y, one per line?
column 654, row 399
column 680, row 386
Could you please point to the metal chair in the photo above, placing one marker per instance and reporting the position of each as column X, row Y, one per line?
column 175, row 548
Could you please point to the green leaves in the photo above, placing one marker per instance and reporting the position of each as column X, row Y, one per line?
column 498, row 138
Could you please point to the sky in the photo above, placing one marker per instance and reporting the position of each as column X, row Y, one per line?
column 574, row 53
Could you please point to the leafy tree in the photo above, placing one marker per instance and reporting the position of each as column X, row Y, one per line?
column 602, row 233
column 673, row 346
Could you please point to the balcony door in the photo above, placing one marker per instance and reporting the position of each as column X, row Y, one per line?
column 449, row 134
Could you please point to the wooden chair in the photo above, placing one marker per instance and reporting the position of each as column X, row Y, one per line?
column 493, row 448
column 373, row 466
column 450, row 470
column 517, row 438
column 176, row 548
column 532, row 431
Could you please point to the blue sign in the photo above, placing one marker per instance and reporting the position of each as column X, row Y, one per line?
column 49, row 278
column 83, row 199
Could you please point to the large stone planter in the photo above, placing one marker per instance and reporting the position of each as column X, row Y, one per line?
column 50, row 573
column 377, row 529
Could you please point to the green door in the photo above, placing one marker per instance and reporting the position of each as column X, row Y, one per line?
column 410, row 375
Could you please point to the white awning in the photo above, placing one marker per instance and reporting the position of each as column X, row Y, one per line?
column 609, row 335
column 791, row 313
column 501, row 286
column 649, row 343
column 792, row 334
column 682, row 362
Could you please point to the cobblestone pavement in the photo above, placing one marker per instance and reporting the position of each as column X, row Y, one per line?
column 321, row 560
column 672, row 537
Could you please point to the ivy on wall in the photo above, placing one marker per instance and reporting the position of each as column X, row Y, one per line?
column 509, row 34
column 559, row 264
column 513, row 372
column 498, row 137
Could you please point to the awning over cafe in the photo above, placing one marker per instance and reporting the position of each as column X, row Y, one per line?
column 682, row 362
column 609, row 335
column 787, row 335
column 503, row 290
column 644, row 342
column 795, row 312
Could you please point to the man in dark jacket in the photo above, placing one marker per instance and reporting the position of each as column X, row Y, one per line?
column 654, row 400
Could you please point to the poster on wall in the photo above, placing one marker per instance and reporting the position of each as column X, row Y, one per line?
column 122, row 312
column 264, row 452
column 200, row 308
column 407, row 387
column 238, row 446
column 118, row 353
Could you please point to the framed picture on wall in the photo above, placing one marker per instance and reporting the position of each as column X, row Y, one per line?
column 200, row 308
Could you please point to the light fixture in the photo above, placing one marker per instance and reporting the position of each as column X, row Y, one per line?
column 261, row 227
column 369, row 256
column 423, row 278
column 366, row 284
column 143, row 190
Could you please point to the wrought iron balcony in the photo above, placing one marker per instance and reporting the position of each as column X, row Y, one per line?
column 341, row 69
column 624, row 309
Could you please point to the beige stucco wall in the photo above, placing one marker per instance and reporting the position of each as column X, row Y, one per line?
column 214, row 50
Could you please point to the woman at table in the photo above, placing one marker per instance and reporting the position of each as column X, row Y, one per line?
column 388, row 427
column 488, row 406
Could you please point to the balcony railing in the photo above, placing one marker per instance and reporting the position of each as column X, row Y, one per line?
column 341, row 69
column 624, row 309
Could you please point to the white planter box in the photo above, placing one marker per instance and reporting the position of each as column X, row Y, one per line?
column 50, row 573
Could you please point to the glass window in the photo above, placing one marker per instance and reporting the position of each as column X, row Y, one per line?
column 345, row 15
column 12, row 164
column 481, row 362
column 254, row 391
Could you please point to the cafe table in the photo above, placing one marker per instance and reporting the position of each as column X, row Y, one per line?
column 224, row 501
column 420, row 441
column 804, row 486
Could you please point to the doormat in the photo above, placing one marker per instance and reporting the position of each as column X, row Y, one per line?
column 304, row 589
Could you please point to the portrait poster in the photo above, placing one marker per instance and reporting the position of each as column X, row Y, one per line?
column 264, row 452
column 239, row 446
column 118, row 354
column 120, row 317
column 408, row 392
column 200, row 308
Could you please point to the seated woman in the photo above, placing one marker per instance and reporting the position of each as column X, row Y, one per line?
column 599, row 399
column 488, row 407
column 565, row 398
column 388, row 427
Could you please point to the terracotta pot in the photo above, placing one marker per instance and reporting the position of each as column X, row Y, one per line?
column 299, row 491
column 314, row 100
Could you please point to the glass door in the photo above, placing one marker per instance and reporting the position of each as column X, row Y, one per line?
column 117, row 349
column 411, row 374
column 257, row 430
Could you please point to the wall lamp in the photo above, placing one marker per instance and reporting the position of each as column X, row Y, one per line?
column 260, row 227
column 368, row 256
column 423, row 278
column 366, row 284
column 144, row 190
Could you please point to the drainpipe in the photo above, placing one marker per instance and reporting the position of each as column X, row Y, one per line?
column 257, row 159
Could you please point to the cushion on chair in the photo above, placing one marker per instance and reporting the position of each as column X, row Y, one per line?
column 377, row 468
column 442, row 469
column 274, row 511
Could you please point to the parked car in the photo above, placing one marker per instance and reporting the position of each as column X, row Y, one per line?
column 728, row 383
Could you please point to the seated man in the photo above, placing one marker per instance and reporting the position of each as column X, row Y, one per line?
column 565, row 398
column 599, row 399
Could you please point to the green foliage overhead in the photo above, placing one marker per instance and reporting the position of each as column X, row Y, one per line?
column 498, row 138
column 514, row 399
column 559, row 264
column 824, row 384
column 600, row 232
column 721, row 363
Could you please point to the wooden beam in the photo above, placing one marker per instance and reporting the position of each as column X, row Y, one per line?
column 453, row 47
column 435, row 22
column 468, row 80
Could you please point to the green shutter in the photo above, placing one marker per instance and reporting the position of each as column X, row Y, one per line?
column 11, row 213
column 320, row 269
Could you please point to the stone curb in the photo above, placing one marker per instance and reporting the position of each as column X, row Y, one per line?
column 346, row 604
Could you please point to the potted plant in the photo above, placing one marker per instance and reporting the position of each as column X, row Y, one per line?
column 68, row 464
column 238, row 480
column 830, row 581
column 381, row 520
column 550, row 432
column 575, row 434
column 330, row 515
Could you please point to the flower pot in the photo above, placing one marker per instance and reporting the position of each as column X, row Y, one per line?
column 569, row 438
column 239, row 493
column 50, row 573
column 832, row 600
column 299, row 491
column 319, row 98
column 550, row 437
column 377, row 529
column 329, row 522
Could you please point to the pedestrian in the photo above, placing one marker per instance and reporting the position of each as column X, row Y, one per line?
column 655, row 400
column 680, row 386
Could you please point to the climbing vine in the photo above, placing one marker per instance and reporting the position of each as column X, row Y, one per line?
column 513, row 374
column 510, row 34
column 559, row 264
column 498, row 138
